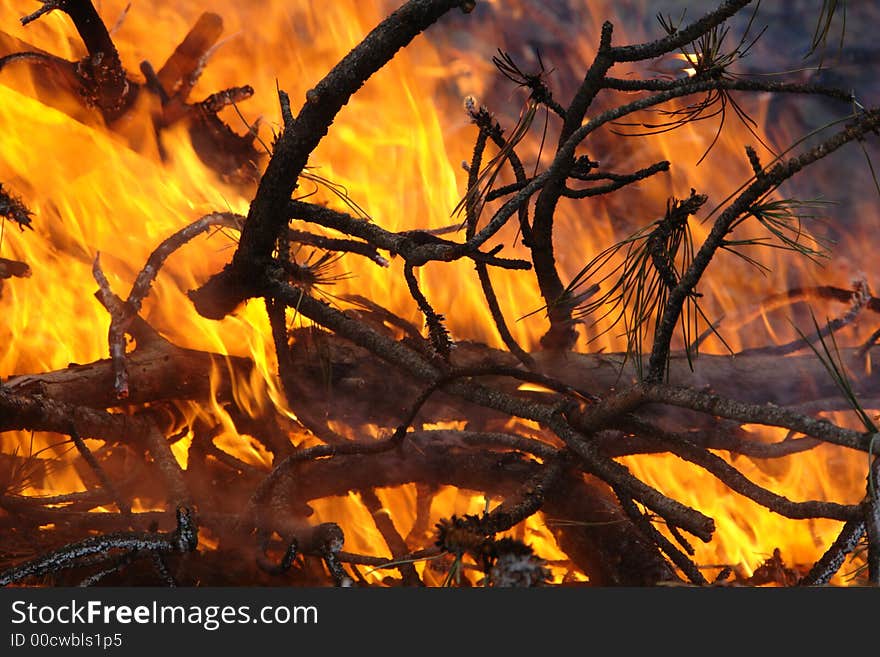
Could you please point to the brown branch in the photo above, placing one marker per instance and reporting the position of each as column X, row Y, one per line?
column 39, row 413
column 736, row 481
column 416, row 247
column 172, row 474
column 725, row 435
column 116, row 332
column 180, row 71
column 735, row 84
column 528, row 500
column 437, row 333
column 618, row 181
column 123, row 314
column 84, row 451
column 618, row 476
column 335, row 244
column 490, row 128
column 681, row 37
column 688, row 567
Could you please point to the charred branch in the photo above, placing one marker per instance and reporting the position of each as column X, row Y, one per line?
column 182, row 539
column 106, row 482
column 268, row 211
column 183, row 67
column 830, row 562
column 416, row 247
column 867, row 122
column 393, row 539
column 489, row 128
column 617, row 181
column 14, row 269
column 102, row 77
column 679, row 558
column 13, row 209
column 99, row 81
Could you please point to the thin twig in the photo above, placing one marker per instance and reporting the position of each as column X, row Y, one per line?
column 121, row 503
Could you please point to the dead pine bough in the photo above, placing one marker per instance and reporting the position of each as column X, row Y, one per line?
column 375, row 405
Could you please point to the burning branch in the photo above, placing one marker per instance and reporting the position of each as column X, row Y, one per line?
column 102, row 79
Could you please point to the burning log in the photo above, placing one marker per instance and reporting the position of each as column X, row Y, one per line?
column 180, row 71
column 363, row 401
column 158, row 371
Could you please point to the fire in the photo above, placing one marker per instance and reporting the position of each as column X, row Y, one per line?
column 396, row 150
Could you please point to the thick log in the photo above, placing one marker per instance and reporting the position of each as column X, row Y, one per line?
column 338, row 380
column 347, row 383
column 158, row 371
column 759, row 378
